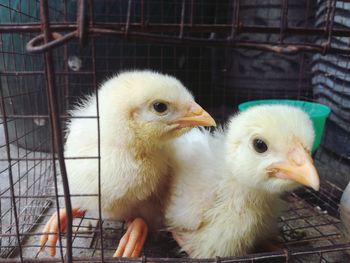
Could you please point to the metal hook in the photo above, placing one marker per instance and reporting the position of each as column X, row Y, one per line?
column 81, row 22
column 35, row 45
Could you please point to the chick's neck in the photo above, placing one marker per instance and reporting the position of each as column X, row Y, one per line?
column 231, row 187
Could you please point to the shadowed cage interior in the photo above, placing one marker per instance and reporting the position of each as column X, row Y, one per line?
column 225, row 52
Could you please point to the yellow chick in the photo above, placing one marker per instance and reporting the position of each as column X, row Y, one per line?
column 225, row 196
column 140, row 112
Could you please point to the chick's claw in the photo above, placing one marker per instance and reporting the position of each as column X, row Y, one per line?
column 51, row 229
column 132, row 242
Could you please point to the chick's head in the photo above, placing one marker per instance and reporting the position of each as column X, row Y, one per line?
column 155, row 106
column 268, row 148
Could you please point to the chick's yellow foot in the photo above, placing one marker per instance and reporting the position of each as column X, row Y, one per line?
column 51, row 229
column 132, row 242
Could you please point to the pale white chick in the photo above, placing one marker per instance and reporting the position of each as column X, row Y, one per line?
column 225, row 195
column 140, row 112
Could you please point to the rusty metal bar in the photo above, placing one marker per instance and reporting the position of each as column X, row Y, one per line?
column 144, row 32
column 56, row 129
column 21, row 73
column 10, row 174
column 258, row 256
column 183, row 7
column 284, row 20
column 137, row 29
column 48, row 159
column 301, row 74
column 170, row 28
column 329, row 24
column 142, row 13
column 191, row 12
column 94, row 81
column 238, row 24
column 66, row 70
column 307, row 13
column 33, row 116
column 287, row 48
column 128, row 16
column 58, row 40
column 81, row 30
column 235, row 25
column 291, row 48
column 42, row 196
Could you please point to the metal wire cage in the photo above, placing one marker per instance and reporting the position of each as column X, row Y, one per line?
column 226, row 52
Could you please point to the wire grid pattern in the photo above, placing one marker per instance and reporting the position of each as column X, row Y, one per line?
column 25, row 104
column 310, row 221
column 25, row 169
column 220, row 79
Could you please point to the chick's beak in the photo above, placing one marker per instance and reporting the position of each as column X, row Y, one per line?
column 194, row 116
column 298, row 167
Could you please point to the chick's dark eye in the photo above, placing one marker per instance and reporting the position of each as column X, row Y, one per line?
column 259, row 146
column 160, row 107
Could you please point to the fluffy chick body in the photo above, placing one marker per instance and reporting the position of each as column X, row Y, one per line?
column 134, row 159
column 221, row 202
column 210, row 211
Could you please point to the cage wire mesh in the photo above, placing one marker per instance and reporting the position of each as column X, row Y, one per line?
column 226, row 52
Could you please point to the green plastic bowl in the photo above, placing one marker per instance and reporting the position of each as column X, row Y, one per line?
column 318, row 113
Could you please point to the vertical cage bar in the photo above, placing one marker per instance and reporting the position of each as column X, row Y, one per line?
column 94, row 81
column 307, row 14
column 183, row 6
column 142, row 13
column 191, row 13
column 12, row 190
column 80, row 22
column 330, row 23
column 127, row 24
column 55, row 177
column 235, row 19
column 55, row 125
column 65, row 54
column 301, row 75
column 284, row 19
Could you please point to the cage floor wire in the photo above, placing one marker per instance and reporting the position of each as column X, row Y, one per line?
column 310, row 220
column 222, row 51
column 302, row 224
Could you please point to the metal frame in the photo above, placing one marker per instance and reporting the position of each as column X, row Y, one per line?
column 181, row 33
